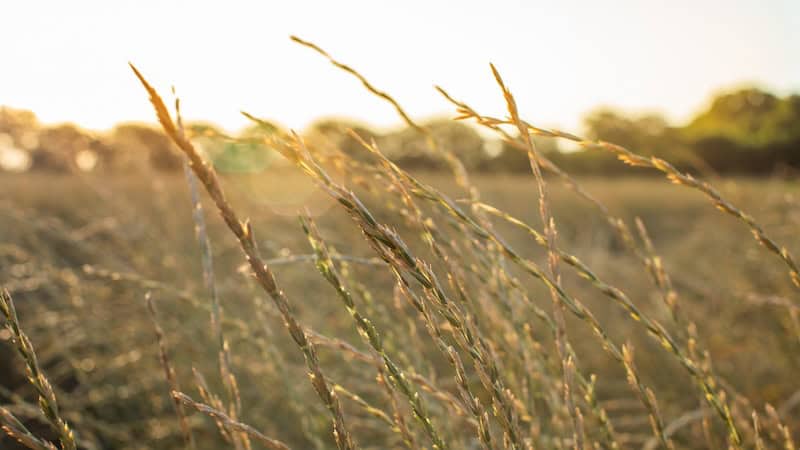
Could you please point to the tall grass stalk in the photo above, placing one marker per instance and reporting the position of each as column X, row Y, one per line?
column 229, row 423
column 368, row 331
column 48, row 403
column 241, row 440
column 169, row 371
column 244, row 233
column 17, row 430
column 562, row 341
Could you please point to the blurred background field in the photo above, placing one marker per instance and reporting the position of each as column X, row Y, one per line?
column 79, row 252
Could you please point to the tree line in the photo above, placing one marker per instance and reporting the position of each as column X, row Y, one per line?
column 746, row 131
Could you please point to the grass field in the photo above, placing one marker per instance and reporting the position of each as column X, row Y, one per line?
column 79, row 253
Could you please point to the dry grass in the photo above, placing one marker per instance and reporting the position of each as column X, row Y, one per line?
column 426, row 325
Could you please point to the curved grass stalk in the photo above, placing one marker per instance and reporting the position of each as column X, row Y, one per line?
column 226, row 373
column 244, row 328
column 676, row 176
column 48, row 403
column 368, row 331
column 169, row 372
column 229, row 423
column 17, row 430
column 562, row 342
column 395, row 252
column 462, row 178
column 575, row 306
column 244, row 234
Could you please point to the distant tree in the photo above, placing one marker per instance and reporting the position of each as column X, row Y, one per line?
column 22, row 125
column 750, row 117
column 461, row 139
column 332, row 135
column 18, row 137
column 409, row 148
column 12, row 158
column 512, row 159
column 104, row 153
column 748, row 130
column 139, row 146
column 648, row 134
column 59, row 147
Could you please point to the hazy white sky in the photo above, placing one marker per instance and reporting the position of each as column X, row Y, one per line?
column 67, row 60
